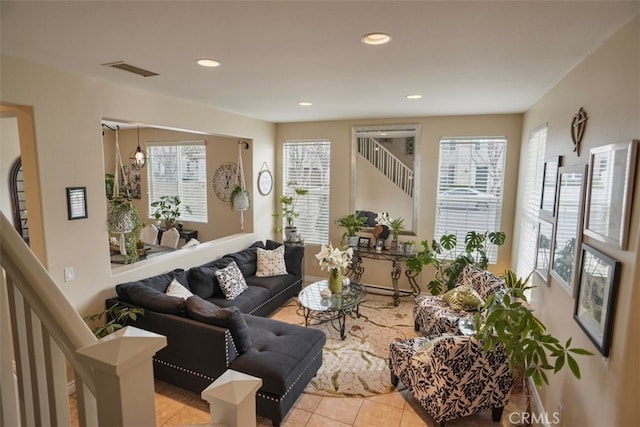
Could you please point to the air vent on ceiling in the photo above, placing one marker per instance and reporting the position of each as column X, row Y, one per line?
column 121, row 65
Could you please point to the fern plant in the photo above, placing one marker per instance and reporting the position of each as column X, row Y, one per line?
column 449, row 261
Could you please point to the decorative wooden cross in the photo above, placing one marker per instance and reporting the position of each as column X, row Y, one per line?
column 578, row 124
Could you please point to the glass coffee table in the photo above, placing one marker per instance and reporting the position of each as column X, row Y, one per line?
column 333, row 308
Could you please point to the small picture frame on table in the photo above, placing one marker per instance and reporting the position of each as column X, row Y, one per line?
column 364, row 242
column 595, row 304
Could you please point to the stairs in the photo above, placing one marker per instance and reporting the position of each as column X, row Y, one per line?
column 388, row 164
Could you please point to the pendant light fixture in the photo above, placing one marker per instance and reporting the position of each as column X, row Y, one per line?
column 138, row 157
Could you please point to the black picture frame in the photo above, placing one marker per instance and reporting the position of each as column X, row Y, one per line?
column 77, row 202
column 594, row 307
column 569, row 219
column 364, row 242
column 550, row 186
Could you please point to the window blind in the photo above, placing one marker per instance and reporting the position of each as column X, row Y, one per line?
column 306, row 165
column 179, row 168
column 531, row 188
column 470, row 187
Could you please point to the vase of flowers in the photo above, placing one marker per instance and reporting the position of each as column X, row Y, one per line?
column 334, row 260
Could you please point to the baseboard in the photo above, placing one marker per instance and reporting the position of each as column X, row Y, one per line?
column 536, row 406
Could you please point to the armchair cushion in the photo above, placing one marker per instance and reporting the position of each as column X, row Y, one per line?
column 484, row 282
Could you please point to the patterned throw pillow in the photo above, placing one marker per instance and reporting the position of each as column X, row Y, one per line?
column 271, row 263
column 463, row 298
column 484, row 282
column 231, row 280
column 176, row 289
column 423, row 353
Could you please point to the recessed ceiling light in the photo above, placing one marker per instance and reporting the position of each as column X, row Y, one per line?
column 376, row 38
column 208, row 62
column 413, row 96
column 305, row 104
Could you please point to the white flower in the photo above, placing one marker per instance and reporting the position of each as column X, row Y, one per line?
column 383, row 219
column 331, row 258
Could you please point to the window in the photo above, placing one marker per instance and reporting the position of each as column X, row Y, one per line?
column 306, row 163
column 179, row 168
column 470, row 182
column 531, row 188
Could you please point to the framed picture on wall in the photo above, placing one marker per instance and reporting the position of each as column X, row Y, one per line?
column 609, row 190
column 544, row 248
column 595, row 305
column 549, row 186
column 568, row 233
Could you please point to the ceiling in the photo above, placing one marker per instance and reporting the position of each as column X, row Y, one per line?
column 475, row 57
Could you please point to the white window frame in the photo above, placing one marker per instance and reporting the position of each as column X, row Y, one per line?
column 311, row 172
column 194, row 204
column 460, row 214
column 531, row 191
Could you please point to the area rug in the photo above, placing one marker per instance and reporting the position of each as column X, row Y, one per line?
column 358, row 365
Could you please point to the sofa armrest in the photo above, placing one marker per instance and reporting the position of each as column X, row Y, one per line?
column 294, row 259
column 196, row 347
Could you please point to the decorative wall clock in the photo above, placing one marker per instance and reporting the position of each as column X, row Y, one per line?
column 265, row 181
column 224, row 180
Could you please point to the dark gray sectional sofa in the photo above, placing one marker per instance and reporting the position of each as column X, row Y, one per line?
column 284, row 356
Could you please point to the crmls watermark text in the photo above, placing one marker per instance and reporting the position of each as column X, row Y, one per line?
column 539, row 418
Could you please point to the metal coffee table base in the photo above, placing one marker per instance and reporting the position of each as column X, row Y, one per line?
column 325, row 316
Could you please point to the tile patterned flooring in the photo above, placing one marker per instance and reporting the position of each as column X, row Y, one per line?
column 178, row 407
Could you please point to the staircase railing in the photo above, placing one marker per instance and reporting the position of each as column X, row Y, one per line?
column 388, row 164
column 40, row 332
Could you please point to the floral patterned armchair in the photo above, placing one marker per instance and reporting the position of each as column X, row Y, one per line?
column 450, row 376
column 435, row 317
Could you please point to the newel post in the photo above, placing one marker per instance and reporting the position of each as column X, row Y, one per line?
column 123, row 374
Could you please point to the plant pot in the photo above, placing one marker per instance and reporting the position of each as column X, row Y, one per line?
column 241, row 201
column 291, row 234
column 351, row 241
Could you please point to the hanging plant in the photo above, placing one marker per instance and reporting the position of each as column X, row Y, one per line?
column 239, row 198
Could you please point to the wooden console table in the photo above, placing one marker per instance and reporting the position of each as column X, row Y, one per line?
column 356, row 269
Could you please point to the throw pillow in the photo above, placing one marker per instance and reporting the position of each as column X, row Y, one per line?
column 203, row 282
column 230, row 318
column 147, row 297
column 463, row 298
column 425, row 350
column 231, row 280
column 176, row 289
column 271, row 263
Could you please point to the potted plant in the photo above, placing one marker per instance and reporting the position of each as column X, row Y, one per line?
column 289, row 213
column 168, row 209
column 449, row 262
column 353, row 223
column 506, row 320
column 395, row 225
column 124, row 220
column 115, row 317
column 239, row 198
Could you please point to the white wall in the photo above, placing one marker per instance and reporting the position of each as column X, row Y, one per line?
column 607, row 85
column 9, row 153
column 67, row 111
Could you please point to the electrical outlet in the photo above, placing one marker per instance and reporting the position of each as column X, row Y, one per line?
column 69, row 274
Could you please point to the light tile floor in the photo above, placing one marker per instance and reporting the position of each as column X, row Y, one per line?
column 178, row 407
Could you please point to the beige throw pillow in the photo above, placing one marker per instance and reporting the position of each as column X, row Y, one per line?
column 271, row 263
column 176, row 289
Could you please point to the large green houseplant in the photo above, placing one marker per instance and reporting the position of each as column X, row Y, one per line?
column 352, row 223
column 506, row 320
column 123, row 219
column 449, row 261
column 289, row 212
column 115, row 317
column 168, row 209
